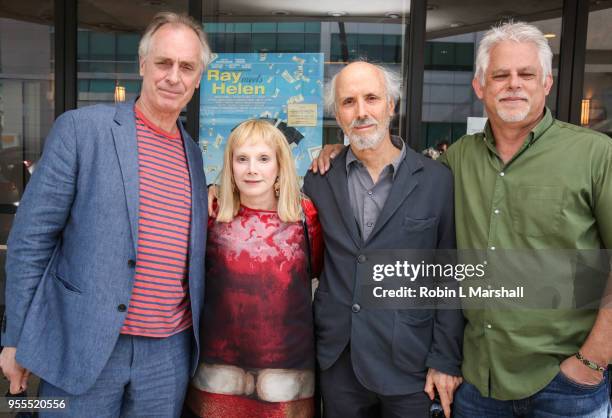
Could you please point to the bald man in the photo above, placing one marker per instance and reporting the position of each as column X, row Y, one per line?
column 379, row 194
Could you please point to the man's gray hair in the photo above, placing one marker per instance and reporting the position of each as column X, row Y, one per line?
column 516, row 32
column 171, row 18
column 393, row 87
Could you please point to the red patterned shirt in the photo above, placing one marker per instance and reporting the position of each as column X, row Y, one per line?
column 257, row 349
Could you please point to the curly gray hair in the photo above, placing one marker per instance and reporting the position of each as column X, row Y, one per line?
column 517, row 32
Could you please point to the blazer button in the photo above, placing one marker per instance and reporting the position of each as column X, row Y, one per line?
column 355, row 308
column 361, row 259
column 122, row 308
column 131, row 264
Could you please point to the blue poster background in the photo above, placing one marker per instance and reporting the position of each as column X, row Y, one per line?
column 236, row 87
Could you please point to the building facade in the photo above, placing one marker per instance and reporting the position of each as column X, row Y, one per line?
column 57, row 55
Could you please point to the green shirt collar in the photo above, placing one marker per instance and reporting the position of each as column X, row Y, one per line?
column 533, row 136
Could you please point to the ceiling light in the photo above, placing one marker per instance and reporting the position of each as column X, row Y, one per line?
column 585, row 112
column 456, row 24
column 393, row 15
column 154, row 3
column 119, row 93
column 337, row 14
column 550, row 35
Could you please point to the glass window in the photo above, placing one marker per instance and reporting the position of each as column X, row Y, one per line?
column 108, row 48
column 290, row 42
column 301, row 35
column 596, row 109
column 26, row 104
column 367, row 34
column 453, row 33
column 306, row 45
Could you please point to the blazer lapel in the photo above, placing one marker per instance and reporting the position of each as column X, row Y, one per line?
column 196, row 184
column 192, row 160
column 404, row 183
column 124, row 135
column 337, row 179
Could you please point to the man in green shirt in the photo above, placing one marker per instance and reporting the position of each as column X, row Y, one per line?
column 529, row 182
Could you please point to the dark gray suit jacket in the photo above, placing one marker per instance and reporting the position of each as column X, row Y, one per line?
column 391, row 349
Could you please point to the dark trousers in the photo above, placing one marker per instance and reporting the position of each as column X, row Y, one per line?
column 344, row 396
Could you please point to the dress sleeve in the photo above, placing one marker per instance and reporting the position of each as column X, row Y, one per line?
column 213, row 217
column 315, row 236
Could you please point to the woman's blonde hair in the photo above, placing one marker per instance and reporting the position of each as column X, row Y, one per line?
column 258, row 130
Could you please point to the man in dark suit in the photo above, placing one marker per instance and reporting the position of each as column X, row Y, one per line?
column 379, row 194
column 105, row 267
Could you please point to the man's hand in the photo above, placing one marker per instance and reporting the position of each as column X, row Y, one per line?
column 445, row 384
column 16, row 375
column 213, row 191
column 574, row 370
column 322, row 162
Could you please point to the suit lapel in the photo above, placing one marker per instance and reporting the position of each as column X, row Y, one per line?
column 191, row 157
column 338, row 182
column 124, row 135
column 196, row 204
column 403, row 185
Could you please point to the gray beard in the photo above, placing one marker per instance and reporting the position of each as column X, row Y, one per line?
column 364, row 142
column 371, row 141
column 510, row 117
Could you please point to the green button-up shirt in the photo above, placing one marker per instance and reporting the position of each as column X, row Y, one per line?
column 555, row 193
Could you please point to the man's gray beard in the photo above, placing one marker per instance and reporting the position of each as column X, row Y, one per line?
column 372, row 141
column 513, row 116
column 364, row 142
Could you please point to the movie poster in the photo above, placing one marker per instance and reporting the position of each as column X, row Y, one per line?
column 283, row 86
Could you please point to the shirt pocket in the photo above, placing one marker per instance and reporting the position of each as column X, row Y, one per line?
column 536, row 210
column 420, row 233
column 418, row 225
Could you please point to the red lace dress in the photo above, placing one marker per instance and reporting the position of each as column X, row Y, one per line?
column 257, row 332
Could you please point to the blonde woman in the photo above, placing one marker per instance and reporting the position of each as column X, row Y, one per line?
column 257, row 333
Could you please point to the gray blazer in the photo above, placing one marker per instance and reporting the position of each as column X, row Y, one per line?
column 390, row 349
column 71, row 251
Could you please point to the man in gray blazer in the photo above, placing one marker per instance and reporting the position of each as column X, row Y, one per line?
column 105, row 269
column 377, row 195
